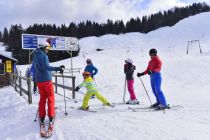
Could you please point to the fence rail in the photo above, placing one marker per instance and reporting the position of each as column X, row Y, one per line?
column 17, row 82
column 71, row 88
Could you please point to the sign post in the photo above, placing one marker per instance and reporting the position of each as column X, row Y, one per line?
column 58, row 43
column 32, row 41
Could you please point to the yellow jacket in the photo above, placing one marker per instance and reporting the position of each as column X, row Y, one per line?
column 89, row 84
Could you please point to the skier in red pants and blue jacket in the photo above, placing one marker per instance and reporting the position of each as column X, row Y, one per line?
column 153, row 69
column 43, row 80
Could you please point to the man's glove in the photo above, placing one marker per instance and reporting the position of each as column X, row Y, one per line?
column 62, row 67
column 140, row 74
column 76, row 89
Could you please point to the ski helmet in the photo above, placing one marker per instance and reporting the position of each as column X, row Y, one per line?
column 45, row 45
column 153, row 52
column 88, row 61
column 128, row 60
column 86, row 74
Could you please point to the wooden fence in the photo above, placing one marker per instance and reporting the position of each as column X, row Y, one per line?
column 17, row 82
column 71, row 88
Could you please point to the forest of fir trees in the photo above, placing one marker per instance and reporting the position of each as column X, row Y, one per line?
column 12, row 37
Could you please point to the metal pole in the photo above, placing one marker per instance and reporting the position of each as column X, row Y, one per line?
column 124, row 91
column 71, row 64
column 64, row 96
column 29, row 57
column 36, row 115
column 146, row 91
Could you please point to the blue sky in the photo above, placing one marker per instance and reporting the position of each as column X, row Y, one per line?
column 28, row 12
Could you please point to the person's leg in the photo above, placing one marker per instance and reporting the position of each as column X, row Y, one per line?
column 42, row 100
column 131, row 89
column 51, row 99
column 152, row 81
column 86, row 100
column 101, row 98
column 157, row 85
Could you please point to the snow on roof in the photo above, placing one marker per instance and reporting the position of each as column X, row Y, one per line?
column 7, row 56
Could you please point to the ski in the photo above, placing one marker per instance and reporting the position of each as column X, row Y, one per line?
column 111, row 105
column 42, row 130
column 122, row 103
column 49, row 130
column 138, row 109
column 88, row 110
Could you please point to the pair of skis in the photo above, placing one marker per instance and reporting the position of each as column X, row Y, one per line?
column 149, row 109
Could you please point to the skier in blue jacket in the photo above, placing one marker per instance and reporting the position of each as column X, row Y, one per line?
column 44, row 82
column 91, row 68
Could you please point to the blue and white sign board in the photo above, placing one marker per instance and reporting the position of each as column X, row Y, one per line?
column 32, row 41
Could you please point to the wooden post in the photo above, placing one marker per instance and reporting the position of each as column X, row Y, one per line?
column 29, row 91
column 73, row 87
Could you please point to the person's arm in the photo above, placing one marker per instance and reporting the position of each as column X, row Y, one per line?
column 95, row 70
column 83, row 84
column 146, row 71
column 45, row 65
column 125, row 69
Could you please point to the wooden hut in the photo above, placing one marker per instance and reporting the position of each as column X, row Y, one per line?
column 7, row 64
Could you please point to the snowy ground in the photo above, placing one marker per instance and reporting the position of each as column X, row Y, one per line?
column 185, row 82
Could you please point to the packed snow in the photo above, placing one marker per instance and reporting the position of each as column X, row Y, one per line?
column 185, row 82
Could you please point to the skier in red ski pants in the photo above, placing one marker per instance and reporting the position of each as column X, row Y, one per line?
column 43, row 79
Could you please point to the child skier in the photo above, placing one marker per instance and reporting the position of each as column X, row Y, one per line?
column 129, row 70
column 91, row 90
column 153, row 70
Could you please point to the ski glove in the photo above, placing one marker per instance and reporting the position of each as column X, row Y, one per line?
column 140, row 74
column 76, row 89
column 62, row 67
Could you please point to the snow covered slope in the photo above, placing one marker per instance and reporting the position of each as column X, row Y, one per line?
column 185, row 82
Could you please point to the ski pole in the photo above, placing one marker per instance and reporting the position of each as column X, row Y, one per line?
column 146, row 91
column 36, row 115
column 124, row 91
column 64, row 95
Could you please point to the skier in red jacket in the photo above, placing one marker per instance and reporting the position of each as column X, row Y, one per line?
column 153, row 69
